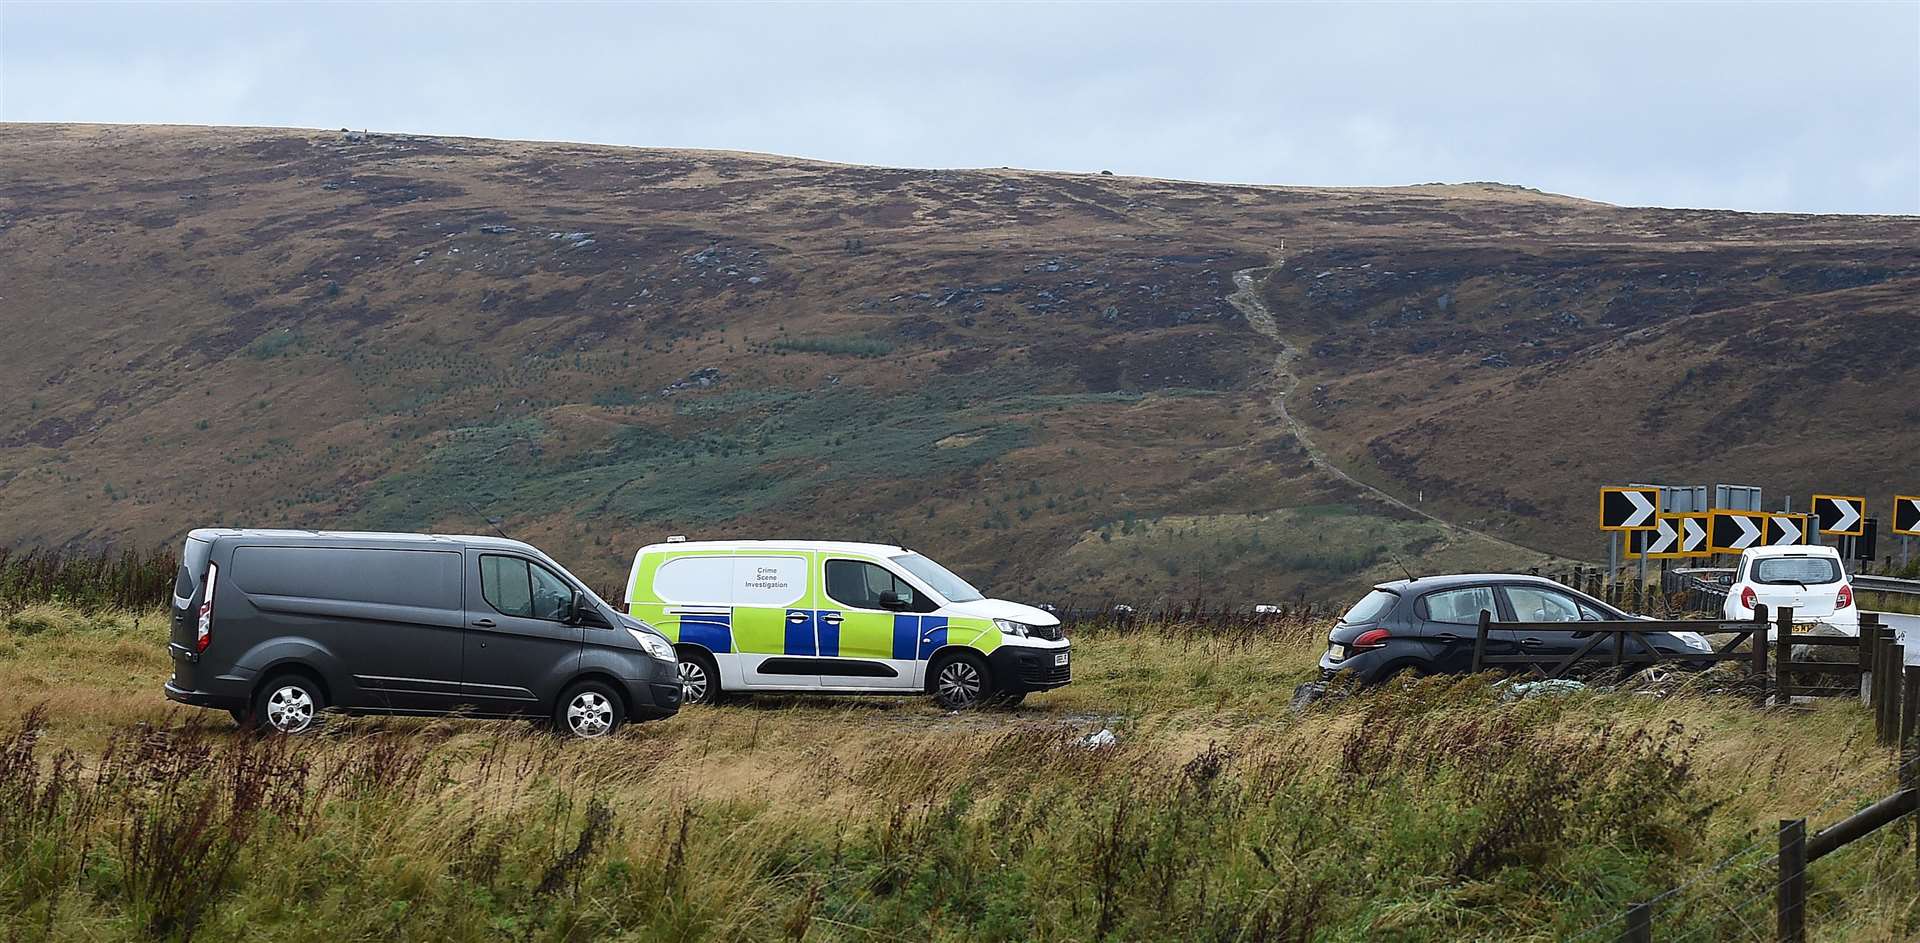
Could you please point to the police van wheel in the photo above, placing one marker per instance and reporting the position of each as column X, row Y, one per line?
column 961, row 682
column 699, row 677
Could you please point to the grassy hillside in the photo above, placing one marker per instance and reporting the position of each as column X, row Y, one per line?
column 605, row 345
column 1434, row 811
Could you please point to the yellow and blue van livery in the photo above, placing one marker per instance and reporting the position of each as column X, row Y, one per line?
column 844, row 618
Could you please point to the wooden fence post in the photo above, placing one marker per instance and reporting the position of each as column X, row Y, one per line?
column 1480, row 641
column 1782, row 676
column 1889, row 713
column 1790, row 894
column 1639, row 924
column 1869, row 627
column 1760, row 654
column 1910, row 717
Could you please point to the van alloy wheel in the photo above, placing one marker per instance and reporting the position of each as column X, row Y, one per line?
column 290, row 709
column 693, row 681
column 959, row 684
column 589, row 715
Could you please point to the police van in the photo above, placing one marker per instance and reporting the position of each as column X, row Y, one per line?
column 842, row 618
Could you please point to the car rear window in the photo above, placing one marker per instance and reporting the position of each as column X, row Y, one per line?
column 1796, row 570
column 1371, row 607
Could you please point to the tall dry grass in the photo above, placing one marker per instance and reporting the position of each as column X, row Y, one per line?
column 1427, row 811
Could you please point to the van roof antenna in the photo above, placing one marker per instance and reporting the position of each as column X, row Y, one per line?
column 492, row 522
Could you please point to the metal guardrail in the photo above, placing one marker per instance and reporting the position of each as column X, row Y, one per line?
column 1885, row 584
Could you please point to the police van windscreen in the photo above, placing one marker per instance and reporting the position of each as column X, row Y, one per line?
column 940, row 578
column 1789, row 570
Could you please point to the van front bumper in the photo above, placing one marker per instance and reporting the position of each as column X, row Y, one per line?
column 1018, row 669
column 654, row 700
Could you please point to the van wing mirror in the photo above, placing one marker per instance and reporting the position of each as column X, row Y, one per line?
column 892, row 600
column 582, row 612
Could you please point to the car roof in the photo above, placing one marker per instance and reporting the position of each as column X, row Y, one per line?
column 1797, row 550
column 1449, row 581
column 350, row 536
column 828, row 546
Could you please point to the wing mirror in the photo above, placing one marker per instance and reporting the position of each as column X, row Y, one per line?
column 582, row 612
column 891, row 600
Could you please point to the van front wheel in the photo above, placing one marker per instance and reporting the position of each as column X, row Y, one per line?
column 589, row 710
column 961, row 682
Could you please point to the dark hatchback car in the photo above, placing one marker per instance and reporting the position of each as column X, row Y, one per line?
column 1427, row 625
column 276, row 626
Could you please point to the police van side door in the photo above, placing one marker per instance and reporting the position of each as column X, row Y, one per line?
column 774, row 620
column 871, row 626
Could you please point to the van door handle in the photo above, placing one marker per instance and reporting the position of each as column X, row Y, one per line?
column 831, row 618
column 484, row 623
column 796, row 618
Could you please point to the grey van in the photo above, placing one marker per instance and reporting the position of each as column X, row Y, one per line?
column 276, row 626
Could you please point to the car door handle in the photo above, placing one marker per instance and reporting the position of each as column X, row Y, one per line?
column 484, row 623
column 797, row 618
column 1447, row 637
column 1531, row 641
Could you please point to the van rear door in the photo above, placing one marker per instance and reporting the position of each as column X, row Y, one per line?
column 188, row 584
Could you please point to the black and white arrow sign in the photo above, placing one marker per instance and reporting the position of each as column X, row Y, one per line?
column 1840, row 514
column 1693, row 535
column 1906, row 515
column 1663, row 540
column 1628, row 508
column 1735, row 531
column 1786, row 530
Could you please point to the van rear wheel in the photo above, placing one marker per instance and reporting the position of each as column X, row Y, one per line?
column 288, row 704
column 699, row 677
column 961, row 682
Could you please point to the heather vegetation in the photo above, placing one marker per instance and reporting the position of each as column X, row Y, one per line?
column 1435, row 810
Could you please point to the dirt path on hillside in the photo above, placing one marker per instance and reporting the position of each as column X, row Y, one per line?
column 1246, row 298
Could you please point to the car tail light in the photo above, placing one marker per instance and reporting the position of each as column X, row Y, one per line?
column 1372, row 638
column 1747, row 598
column 203, row 636
column 1845, row 600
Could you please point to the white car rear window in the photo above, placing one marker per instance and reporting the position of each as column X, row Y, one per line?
column 1794, row 570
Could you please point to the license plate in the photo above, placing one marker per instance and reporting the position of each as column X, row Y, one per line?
column 1802, row 628
column 1337, row 652
column 1060, row 659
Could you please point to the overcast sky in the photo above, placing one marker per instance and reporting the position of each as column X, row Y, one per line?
column 1800, row 107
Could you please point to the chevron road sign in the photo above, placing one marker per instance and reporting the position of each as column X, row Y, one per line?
column 1788, row 530
column 1693, row 534
column 1840, row 515
column 1660, row 543
column 1735, row 531
column 1629, row 508
column 1906, row 515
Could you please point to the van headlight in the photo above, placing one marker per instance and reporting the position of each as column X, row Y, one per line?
column 1010, row 627
column 653, row 645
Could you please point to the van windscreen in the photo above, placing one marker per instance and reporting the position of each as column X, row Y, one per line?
column 939, row 577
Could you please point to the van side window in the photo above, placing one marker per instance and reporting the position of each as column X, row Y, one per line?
column 517, row 587
column 858, row 584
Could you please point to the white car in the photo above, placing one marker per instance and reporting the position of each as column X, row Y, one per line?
column 1810, row 579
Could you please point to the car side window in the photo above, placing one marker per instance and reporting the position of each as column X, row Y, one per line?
column 1531, row 604
column 858, row 584
column 1460, row 606
column 524, row 589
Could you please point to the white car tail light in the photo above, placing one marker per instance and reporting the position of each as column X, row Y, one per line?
column 1748, row 599
column 203, row 636
column 1845, row 599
